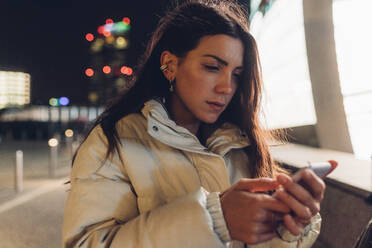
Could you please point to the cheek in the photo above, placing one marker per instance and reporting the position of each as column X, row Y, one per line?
column 234, row 91
column 192, row 83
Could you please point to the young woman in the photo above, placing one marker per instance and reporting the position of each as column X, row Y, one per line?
column 157, row 168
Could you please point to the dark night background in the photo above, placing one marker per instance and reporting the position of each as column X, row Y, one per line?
column 48, row 41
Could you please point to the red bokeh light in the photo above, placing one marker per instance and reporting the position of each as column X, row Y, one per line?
column 108, row 21
column 106, row 69
column 100, row 29
column 106, row 33
column 89, row 72
column 126, row 20
column 89, row 37
column 126, row 70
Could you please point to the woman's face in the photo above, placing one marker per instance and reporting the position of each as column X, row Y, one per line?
column 207, row 78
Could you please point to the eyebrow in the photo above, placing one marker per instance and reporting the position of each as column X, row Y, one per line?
column 220, row 60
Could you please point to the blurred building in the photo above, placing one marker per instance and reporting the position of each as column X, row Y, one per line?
column 42, row 122
column 14, row 89
column 108, row 72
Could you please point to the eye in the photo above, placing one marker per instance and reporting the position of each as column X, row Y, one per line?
column 211, row 67
column 237, row 76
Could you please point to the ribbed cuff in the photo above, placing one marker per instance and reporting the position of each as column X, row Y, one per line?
column 287, row 236
column 215, row 210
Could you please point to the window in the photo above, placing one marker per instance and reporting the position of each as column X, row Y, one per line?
column 353, row 37
column 288, row 100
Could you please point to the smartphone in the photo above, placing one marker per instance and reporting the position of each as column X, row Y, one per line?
column 321, row 169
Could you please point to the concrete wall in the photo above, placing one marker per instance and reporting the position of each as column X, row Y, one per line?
column 345, row 213
column 331, row 127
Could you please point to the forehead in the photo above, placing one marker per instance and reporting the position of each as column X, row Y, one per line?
column 225, row 47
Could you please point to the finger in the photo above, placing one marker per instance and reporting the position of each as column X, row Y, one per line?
column 291, row 225
column 300, row 193
column 300, row 210
column 315, row 184
column 304, row 222
column 271, row 203
column 254, row 239
column 256, row 184
column 259, row 227
column 267, row 216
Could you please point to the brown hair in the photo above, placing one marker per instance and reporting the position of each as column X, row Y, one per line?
column 179, row 32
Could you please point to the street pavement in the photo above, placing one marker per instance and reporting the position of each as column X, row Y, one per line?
column 32, row 218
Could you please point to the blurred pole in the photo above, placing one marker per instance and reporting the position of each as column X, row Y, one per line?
column 69, row 145
column 53, row 157
column 19, row 171
column 69, row 141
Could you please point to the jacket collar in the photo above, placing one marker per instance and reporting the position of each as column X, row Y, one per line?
column 162, row 128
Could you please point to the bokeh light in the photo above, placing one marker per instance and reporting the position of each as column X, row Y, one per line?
column 93, row 97
column 89, row 72
column 110, row 39
column 126, row 20
column 69, row 133
column 53, row 142
column 109, row 20
column 101, row 29
column 53, row 102
column 121, row 43
column 106, row 33
column 89, row 37
column 106, row 69
column 64, row 101
column 126, row 70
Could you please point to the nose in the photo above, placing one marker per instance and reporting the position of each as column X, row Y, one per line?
column 225, row 84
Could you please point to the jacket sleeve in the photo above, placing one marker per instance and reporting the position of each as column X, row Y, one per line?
column 101, row 208
column 287, row 240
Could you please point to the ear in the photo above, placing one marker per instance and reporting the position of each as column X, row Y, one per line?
column 171, row 60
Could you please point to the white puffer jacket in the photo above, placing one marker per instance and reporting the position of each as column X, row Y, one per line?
column 164, row 191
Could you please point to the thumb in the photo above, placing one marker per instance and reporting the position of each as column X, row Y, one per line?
column 256, row 184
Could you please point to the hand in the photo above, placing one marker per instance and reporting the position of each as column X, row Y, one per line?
column 252, row 217
column 302, row 197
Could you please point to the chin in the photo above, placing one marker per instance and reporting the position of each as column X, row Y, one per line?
column 210, row 119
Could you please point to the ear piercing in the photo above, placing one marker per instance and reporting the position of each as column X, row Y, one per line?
column 164, row 67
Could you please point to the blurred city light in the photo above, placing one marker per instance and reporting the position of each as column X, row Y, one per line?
column 126, row 70
column 126, row 20
column 110, row 39
column 89, row 37
column 89, row 72
column 14, row 88
column 64, row 101
column 121, row 27
column 53, row 102
column 106, row 33
column 69, row 133
column 101, row 29
column 93, row 97
column 109, row 20
column 53, row 142
column 106, row 69
column 121, row 43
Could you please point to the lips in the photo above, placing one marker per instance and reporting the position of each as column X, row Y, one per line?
column 217, row 106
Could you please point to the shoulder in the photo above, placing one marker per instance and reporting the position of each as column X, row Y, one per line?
column 132, row 126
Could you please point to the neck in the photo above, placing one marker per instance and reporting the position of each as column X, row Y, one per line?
column 182, row 116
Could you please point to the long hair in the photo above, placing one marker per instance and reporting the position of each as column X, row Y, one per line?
column 179, row 32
